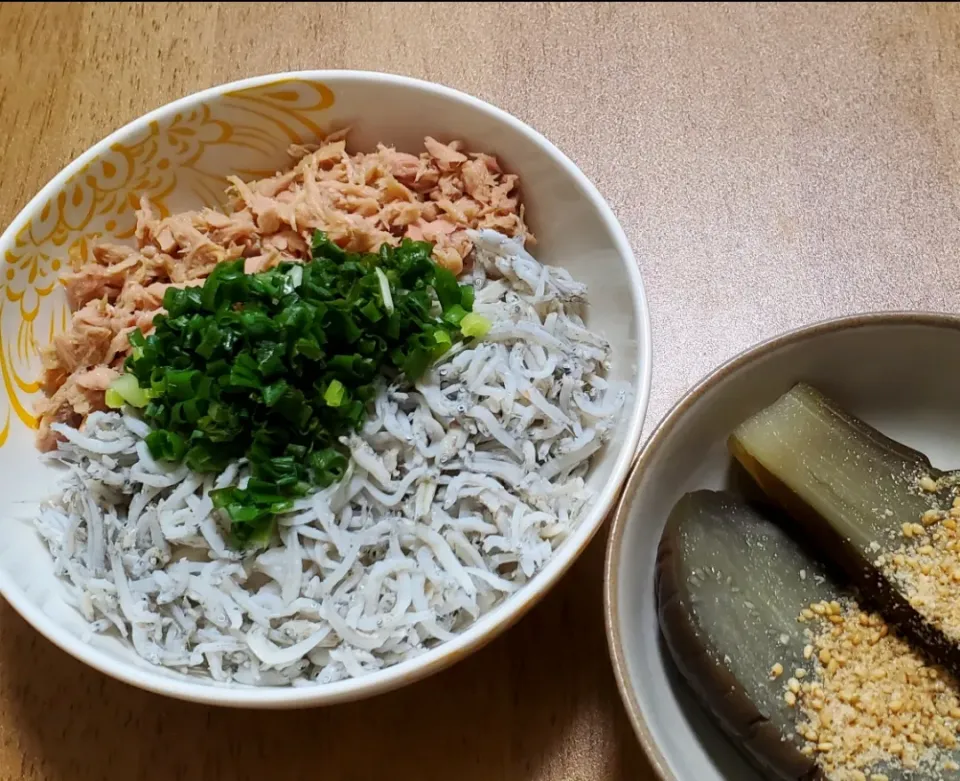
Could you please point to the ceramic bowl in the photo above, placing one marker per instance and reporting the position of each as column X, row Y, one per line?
column 892, row 370
column 179, row 155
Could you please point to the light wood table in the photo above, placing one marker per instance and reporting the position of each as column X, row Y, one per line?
column 773, row 165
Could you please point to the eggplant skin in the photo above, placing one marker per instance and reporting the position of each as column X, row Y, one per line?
column 875, row 589
column 760, row 741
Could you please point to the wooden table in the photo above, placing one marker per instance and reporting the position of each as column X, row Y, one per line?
column 773, row 165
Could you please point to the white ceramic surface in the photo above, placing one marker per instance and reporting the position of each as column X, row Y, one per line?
column 179, row 155
column 896, row 371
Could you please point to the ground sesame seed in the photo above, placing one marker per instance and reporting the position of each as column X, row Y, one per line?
column 869, row 704
column 930, row 517
column 926, row 568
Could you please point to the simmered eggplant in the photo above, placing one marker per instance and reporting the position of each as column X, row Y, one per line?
column 730, row 585
column 806, row 684
column 850, row 490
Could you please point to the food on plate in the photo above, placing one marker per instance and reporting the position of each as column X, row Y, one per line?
column 875, row 508
column 729, row 589
column 303, row 444
column 360, row 201
column 871, row 706
column 275, row 367
column 806, row 683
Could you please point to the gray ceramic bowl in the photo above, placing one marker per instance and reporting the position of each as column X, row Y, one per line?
column 895, row 370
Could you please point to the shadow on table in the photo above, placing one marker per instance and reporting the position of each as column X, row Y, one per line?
column 540, row 702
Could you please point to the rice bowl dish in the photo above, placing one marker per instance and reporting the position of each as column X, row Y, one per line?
column 150, row 639
column 459, row 484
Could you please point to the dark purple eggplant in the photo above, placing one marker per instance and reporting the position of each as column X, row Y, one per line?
column 730, row 584
column 848, row 489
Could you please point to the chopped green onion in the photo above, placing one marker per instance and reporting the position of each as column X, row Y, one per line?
column 442, row 342
column 113, row 399
column 126, row 390
column 455, row 314
column 334, row 394
column 166, row 445
column 385, row 290
column 295, row 275
column 277, row 366
column 474, row 326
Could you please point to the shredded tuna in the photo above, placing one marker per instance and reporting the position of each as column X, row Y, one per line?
column 360, row 200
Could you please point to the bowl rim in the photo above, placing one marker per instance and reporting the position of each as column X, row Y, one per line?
column 488, row 626
column 650, row 452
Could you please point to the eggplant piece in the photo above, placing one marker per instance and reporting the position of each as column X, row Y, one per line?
column 730, row 585
column 849, row 489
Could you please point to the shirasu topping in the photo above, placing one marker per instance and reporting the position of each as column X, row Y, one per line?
column 458, row 491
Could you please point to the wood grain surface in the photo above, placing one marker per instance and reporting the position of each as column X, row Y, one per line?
column 772, row 164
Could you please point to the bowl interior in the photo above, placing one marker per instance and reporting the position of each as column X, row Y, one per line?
column 179, row 156
column 887, row 369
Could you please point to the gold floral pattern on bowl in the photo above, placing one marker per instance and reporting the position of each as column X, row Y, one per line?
column 178, row 162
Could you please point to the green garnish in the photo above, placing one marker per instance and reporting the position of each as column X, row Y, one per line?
column 474, row 326
column 277, row 366
column 113, row 399
column 385, row 294
column 126, row 390
column 334, row 394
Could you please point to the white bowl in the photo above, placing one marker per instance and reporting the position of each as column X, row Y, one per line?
column 890, row 369
column 179, row 156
